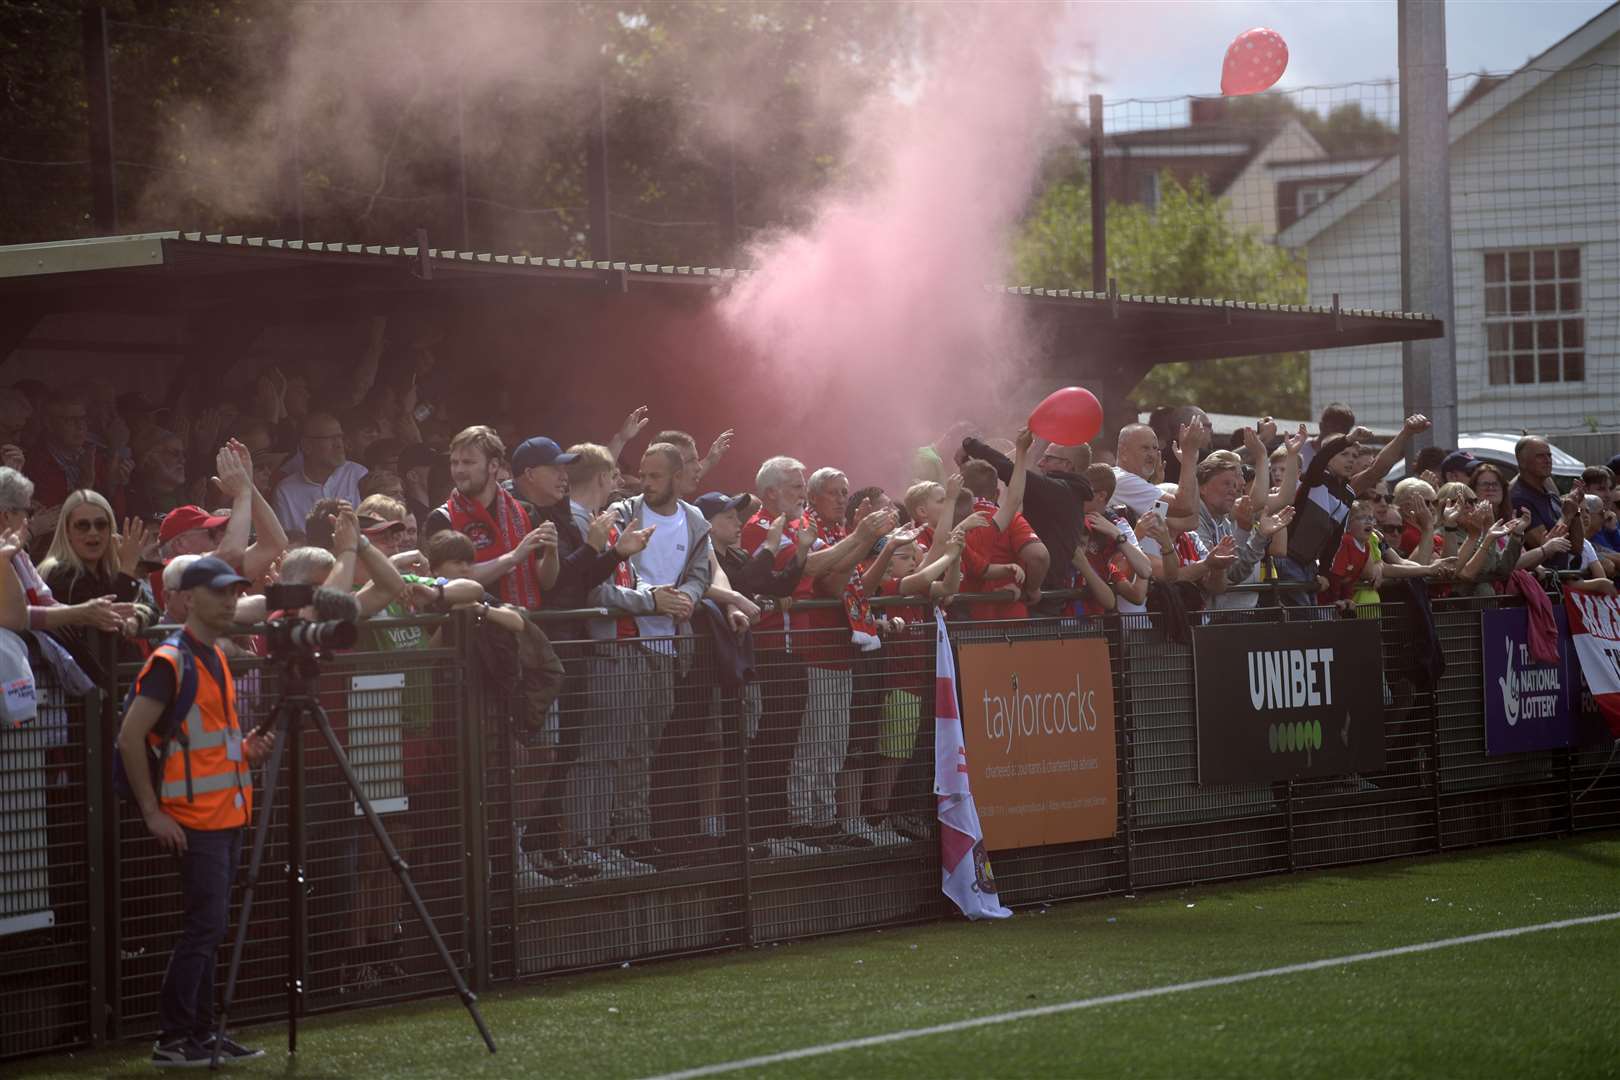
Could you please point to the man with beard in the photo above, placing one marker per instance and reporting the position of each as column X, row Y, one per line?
column 660, row 586
column 502, row 532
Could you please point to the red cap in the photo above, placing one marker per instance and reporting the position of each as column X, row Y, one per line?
column 185, row 518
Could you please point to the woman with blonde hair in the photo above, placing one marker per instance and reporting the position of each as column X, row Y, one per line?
column 87, row 560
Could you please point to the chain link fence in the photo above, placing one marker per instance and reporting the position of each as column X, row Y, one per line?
column 663, row 806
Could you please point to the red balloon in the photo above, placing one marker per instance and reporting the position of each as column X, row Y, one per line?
column 1068, row 417
column 1254, row 61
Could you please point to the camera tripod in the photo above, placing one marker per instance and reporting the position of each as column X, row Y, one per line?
column 296, row 706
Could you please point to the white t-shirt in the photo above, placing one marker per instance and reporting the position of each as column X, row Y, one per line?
column 661, row 562
column 1133, row 491
column 1589, row 554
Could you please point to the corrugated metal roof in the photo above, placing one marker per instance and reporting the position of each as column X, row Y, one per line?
column 153, row 249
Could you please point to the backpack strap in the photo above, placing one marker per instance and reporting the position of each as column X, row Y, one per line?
column 176, row 718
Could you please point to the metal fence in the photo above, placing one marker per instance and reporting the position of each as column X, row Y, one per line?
column 662, row 808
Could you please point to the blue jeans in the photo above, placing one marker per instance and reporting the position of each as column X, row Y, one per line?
column 207, row 868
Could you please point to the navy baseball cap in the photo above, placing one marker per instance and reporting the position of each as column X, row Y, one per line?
column 539, row 451
column 209, row 572
column 718, row 502
column 1458, row 461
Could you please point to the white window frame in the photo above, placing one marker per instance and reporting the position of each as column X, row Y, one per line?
column 1565, row 325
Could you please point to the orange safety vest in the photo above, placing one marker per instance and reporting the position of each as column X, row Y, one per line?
column 218, row 794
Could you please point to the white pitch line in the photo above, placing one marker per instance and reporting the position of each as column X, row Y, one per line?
column 1121, row 998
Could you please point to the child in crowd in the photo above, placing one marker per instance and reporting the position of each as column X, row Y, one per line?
column 1358, row 566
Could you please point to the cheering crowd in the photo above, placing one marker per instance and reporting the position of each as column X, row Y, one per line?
column 667, row 623
column 660, row 601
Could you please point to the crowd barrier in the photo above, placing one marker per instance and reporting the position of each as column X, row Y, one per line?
column 653, row 745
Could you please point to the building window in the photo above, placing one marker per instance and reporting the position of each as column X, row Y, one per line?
column 1309, row 197
column 1534, row 331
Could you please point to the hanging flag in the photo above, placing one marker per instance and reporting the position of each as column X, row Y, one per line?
column 1594, row 629
column 963, row 860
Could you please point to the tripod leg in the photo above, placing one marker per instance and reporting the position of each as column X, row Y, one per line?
column 401, row 871
column 261, row 831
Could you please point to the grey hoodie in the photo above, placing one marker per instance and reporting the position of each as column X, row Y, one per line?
column 696, row 575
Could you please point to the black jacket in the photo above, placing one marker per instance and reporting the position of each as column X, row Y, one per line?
column 582, row 568
column 1053, row 506
column 756, row 575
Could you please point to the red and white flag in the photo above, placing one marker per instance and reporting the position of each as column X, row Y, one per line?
column 965, row 864
column 1594, row 629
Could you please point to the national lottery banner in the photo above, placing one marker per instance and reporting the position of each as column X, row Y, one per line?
column 1288, row 701
column 1594, row 632
column 1528, row 704
column 1038, row 717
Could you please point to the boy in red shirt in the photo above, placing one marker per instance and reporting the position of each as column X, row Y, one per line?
column 1000, row 558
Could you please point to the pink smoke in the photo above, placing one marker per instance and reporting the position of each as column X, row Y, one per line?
column 878, row 320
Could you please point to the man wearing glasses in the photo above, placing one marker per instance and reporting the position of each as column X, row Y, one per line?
column 326, row 472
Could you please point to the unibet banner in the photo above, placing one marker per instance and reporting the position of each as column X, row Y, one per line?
column 1527, row 703
column 1288, row 701
column 1038, row 717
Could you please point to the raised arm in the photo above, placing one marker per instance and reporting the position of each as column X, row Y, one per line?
column 1284, row 495
column 270, row 538
column 629, row 429
column 1393, row 451
column 237, row 484
column 1014, row 500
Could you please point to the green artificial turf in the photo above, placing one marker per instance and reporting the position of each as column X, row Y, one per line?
column 1537, row 1005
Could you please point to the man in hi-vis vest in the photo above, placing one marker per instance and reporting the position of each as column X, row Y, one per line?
column 190, row 777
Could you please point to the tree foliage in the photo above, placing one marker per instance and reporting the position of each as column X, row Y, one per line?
column 695, row 93
column 1185, row 247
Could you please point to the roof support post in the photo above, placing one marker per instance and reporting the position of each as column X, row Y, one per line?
column 1099, row 198
column 596, row 179
column 1429, row 368
column 98, row 89
column 464, row 235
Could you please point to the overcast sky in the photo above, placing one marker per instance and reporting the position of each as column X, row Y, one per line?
column 1170, row 48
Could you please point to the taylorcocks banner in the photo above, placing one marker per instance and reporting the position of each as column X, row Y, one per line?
column 966, row 866
column 1594, row 629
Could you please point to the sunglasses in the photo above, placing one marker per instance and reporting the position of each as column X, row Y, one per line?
column 90, row 525
column 1379, row 499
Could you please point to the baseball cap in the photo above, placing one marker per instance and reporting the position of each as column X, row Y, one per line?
column 371, row 526
column 185, row 518
column 1460, row 460
column 718, row 502
column 539, row 451
column 209, row 572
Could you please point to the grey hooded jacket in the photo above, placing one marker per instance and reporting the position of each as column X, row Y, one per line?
column 694, row 581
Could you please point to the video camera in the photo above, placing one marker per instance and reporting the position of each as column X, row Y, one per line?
column 294, row 636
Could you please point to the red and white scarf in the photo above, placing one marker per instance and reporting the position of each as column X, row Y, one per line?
column 863, row 627
column 494, row 536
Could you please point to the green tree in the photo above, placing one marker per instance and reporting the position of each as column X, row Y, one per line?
column 1186, row 247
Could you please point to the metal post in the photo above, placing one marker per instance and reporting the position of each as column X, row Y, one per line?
column 1099, row 198
column 98, row 90
column 733, row 225
column 100, row 827
column 474, row 730
column 1429, row 368
column 596, row 179
column 464, row 237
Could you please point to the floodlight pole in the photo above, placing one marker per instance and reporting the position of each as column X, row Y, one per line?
column 1429, row 368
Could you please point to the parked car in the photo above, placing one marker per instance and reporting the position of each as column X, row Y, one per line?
column 1497, row 448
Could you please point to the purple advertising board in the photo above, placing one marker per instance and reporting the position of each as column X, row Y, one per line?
column 1527, row 703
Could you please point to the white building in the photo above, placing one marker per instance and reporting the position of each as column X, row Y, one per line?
column 1535, row 198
